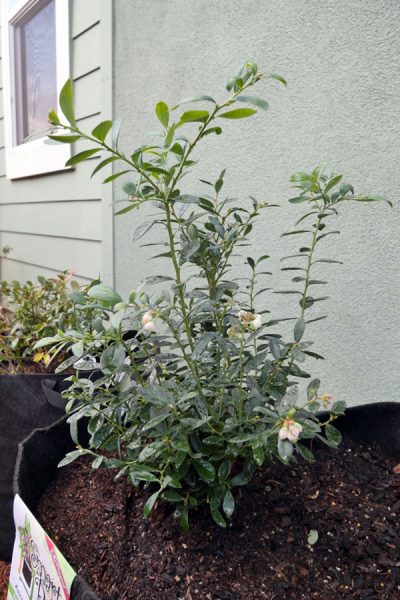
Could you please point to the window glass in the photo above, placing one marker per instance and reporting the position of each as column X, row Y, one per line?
column 36, row 88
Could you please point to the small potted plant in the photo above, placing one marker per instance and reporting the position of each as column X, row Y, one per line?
column 212, row 404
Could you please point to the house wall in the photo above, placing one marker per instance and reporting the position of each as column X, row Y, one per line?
column 62, row 220
column 342, row 109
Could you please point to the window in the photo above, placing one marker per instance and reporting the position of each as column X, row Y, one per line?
column 36, row 65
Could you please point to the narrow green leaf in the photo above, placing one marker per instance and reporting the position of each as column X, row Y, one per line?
column 81, row 156
column 152, row 423
column 148, row 507
column 238, row 113
column 116, row 175
column 67, row 102
column 279, row 78
column 299, row 199
column 194, row 99
column 71, row 456
column 332, row 182
column 263, row 104
column 65, row 139
column 103, row 164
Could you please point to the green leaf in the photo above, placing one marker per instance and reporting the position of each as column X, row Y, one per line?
column 148, row 507
column 216, row 130
column 305, row 453
column 285, row 450
column 101, row 131
column 191, row 116
column 172, row 496
column 218, row 518
column 299, row 328
column 194, row 99
column 279, row 78
column 116, row 175
column 53, row 117
column 46, row 341
column 104, row 293
column 103, row 164
column 312, row 389
column 228, row 504
column 65, row 139
column 71, row 456
column 127, row 209
column 238, row 113
column 263, row 104
column 155, row 421
column 299, row 199
column 162, row 113
column 115, row 132
column 80, row 157
column 373, row 199
column 333, row 435
column 205, row 469
column 224, row 470
column 331, row 184
column 338, row 408
column 67, row 102
column 296, row 232
column 312, row 537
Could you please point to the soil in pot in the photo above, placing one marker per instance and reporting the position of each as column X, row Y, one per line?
column 4, row 575
column 350, row 496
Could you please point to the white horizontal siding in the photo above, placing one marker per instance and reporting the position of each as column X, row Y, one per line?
column 60, row 254
column 78, row 220
column 21, row 271
column 56, row 222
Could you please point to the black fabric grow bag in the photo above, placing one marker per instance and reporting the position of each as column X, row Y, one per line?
column 23, row 408
column 39, row 454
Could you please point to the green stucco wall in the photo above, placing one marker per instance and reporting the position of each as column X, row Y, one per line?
column 342, row 109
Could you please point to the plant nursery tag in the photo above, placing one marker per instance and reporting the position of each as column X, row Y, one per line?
column 38, row 569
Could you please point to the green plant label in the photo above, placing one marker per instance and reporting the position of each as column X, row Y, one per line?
column 38, row 569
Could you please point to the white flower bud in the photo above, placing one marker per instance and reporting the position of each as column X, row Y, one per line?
column 148, row 317
column 149, row 326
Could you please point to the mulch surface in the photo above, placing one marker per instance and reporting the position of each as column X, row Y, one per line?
column 351, row 496
column 4, row 575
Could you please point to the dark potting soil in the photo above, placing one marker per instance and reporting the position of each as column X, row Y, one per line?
column 4, row 575
column 351, row 496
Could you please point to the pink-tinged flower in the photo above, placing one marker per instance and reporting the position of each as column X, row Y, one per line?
column 290, row 430
column 149, row 326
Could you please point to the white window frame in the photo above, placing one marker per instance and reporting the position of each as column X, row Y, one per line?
column 34, row 157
